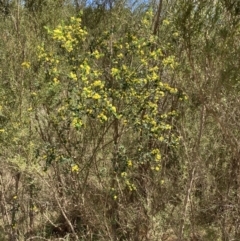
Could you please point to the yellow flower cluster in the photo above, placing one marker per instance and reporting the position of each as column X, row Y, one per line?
column 77, row 122
column 102, row 117
column 73, row 76
column 70, row 35
column 170, row 61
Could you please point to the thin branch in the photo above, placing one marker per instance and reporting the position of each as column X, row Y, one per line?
column 66, row 218
column 157, row 18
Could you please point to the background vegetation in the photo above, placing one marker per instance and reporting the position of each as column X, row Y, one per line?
column 119, row 120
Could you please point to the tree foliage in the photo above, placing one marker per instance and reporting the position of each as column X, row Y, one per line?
column 119, row 122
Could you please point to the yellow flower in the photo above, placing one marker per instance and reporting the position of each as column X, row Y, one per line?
column 57, row 32
column 35, row 209
column 113, row 109
column 55, row 80
column 158, row 157
column 96, row 96
column 129, row 163
column 161, row 138
column 96, row 54
column 166, row 22
column 120, row 56
column 73, row 76
column 76, row 122
column 75, row 168
column 185, row 97
column 102, row 117
column 173, row 90
column 87, row 69
column 26, row 65
column 97, row 83
column 154, row 76
column 123, row 174
column 96, row 73
column 114, row 71
column 176, row 34
column 167, row 127
column 124, row 67
column 144, row 61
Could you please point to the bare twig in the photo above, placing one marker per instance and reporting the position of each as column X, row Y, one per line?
column 66, row 218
